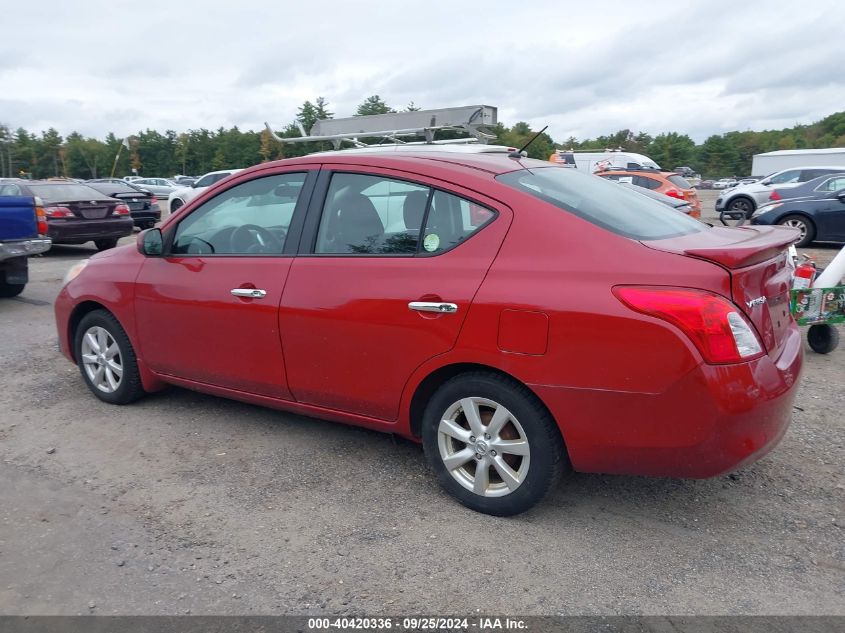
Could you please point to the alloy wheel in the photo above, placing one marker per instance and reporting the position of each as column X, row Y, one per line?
column 101, row 359
column 795, row 223
column 483, row 447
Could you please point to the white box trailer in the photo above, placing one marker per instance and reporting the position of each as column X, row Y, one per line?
column 770, row 162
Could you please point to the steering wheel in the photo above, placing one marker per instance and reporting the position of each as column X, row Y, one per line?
column 251, row 238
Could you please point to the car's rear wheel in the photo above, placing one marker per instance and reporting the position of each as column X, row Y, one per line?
column 106, row 359
column 10, row 290
column 492, row 444
column 807, row 228
column 103, row 245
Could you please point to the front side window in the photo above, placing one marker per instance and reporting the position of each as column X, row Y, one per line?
column 371, row 215
column 833, row 184
column 251, row 218
column 789, row 176
column 604, row 204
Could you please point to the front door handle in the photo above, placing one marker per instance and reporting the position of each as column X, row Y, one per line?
column 249, row 293
column 433, row 306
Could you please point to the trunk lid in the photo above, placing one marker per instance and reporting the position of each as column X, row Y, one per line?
column 91, row 209
column 756, row 259
column 135, row 201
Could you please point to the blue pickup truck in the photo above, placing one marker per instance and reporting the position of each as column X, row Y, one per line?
column 22, row 231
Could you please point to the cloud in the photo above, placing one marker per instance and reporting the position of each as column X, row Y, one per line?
column 583, row 68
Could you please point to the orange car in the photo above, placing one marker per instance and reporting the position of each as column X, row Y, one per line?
column 666, row 182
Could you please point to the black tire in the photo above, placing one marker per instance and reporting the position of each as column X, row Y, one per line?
column 176, row 204
column 823, row 338
column 744, row 205
column 546, row 458
column 129, row 388
column 8, row 290
column 104, row 245
column 804, row 224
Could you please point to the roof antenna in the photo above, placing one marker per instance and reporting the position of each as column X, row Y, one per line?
column 518, row 153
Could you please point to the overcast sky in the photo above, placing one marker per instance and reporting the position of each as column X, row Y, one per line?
column 583, row 67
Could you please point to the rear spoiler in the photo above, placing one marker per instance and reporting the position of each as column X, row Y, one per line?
column 757, row 245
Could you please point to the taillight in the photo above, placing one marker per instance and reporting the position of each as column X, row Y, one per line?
column 58, row 212
column 121, row 209
column 775, row 195
column 715, row 325
column 674, row 193
column 41, row 220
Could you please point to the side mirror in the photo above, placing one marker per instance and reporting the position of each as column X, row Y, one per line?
column 841, row 196
column 765, row 181
column 150, row 243
column 194, row 185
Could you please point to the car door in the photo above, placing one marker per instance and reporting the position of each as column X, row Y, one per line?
column 207, row 310
column 387, row 269
column 830, row 214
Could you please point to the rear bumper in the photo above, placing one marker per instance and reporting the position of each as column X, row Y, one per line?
column 146, row 215
column 714, row 420
column 24, row 248
column 78, row 231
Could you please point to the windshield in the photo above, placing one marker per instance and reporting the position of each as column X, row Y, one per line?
column 603, row 203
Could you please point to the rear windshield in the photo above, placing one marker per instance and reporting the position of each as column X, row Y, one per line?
column 112, row 189
column 603, row 203
column 679, row 181
column 65, row 192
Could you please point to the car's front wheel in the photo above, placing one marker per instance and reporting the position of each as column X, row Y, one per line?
column 175, row 205
column 492, row 444
column 10, row 290
column 106, row 359
column 742, row 205
column 808, row 230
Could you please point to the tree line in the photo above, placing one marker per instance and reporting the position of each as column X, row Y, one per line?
column 152, row 153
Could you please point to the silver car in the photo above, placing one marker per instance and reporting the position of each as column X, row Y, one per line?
column 160, row 187
column 744, row 199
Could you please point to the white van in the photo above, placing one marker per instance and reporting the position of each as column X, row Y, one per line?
column 601, row 161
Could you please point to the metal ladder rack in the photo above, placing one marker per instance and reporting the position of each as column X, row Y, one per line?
column 394, row 126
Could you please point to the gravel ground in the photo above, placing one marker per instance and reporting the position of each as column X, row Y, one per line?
column 186, row 503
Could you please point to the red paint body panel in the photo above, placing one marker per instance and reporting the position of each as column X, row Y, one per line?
column 335, row 339
column 189, row 324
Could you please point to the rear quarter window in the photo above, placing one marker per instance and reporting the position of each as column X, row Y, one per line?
column 602, row 203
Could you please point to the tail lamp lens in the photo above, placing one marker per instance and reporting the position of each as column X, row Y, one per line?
column 674, row 193
column 121, row 209
column 775, row 195
column 719, row 330
column 41, row 220
column 58, row 212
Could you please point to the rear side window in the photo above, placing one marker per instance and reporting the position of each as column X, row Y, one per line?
column 679, row 181
column 450, row 221
column 646, row 182
column 604, row 204
column 810, row 174
column 376, row 215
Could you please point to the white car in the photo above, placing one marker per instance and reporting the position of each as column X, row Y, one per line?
column 183, row 195
column 746, row 198
column 725, row 183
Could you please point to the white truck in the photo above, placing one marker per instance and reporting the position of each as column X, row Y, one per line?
column 770, row 162
column 591, row 162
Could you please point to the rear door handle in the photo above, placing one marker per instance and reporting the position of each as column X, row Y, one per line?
column 249, row 293
column 433, row 306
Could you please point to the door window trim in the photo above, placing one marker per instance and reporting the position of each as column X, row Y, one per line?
column 310, row 230
column 294, row 233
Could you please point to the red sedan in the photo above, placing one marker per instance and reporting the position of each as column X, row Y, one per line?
column 515, row 317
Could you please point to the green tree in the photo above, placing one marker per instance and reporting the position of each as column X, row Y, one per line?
column 321, row 107
column 307, row 116
column 373, row 105
column 670, row 150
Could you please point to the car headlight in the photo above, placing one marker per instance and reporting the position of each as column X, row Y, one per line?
column 761, row 210
column 73, row 271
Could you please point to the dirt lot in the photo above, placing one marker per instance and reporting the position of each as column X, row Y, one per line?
column 185, row 503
